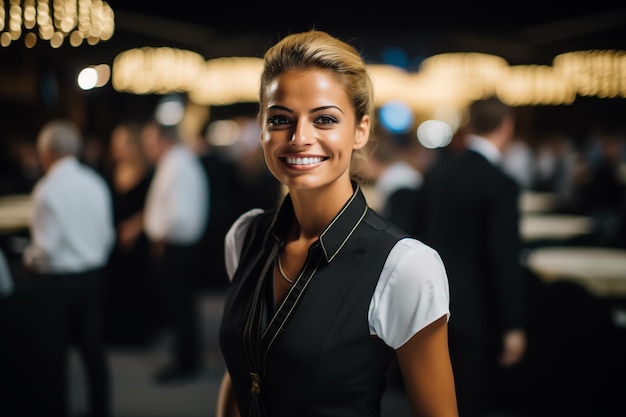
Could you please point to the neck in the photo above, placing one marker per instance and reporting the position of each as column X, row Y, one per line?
column 315, row 209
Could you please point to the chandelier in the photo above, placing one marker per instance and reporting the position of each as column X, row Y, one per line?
column 54, row 20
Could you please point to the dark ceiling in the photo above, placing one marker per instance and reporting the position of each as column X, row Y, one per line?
column 529, row 34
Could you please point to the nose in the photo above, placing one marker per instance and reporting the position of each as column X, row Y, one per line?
column 301, row 135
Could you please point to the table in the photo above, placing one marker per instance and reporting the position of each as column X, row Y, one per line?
column 15, row 212
column 600, row 270
column 537, row 202
column 553, row 226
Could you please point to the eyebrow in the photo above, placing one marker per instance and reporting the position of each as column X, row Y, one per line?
column 279, row 107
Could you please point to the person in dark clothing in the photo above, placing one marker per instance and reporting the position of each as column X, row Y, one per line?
column 176, row 215
column 130, row 298
column 468, row 211
column 224, row 191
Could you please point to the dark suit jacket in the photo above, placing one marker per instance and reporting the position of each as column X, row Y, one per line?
column 468, row 211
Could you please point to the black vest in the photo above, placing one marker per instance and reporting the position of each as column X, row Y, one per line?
column 313, row 355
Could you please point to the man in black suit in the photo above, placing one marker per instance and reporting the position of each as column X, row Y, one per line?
column 468, row 210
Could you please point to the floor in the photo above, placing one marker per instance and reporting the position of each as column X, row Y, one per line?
column 135, row 395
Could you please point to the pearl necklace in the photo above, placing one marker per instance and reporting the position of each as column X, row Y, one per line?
column 282, row 273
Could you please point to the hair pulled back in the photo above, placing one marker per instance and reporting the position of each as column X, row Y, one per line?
column 318, row 49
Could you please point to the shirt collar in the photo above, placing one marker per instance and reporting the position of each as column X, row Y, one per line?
column 63, row 163
column 485, row 148
column 337, row 233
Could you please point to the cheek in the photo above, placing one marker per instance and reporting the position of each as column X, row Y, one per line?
column 268, row 146
column 265, row 137
column 342, row 142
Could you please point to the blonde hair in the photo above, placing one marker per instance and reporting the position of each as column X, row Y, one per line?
column 318, row 49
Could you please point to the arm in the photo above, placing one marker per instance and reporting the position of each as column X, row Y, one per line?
column 226, row 404
column 45, row 234
column 129, row 230
column 427, row 372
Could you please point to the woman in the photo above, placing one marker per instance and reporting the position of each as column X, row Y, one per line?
column 324, row 291
column 129, row 296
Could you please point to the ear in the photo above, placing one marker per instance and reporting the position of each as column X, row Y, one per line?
column 261, row 125
column 508, row 124
column 362, row 133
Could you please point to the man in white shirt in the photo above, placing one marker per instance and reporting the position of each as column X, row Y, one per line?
column 175, row 219
column 72, row 235
column 398, row 160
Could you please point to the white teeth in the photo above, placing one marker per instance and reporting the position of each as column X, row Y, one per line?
column 304, row 161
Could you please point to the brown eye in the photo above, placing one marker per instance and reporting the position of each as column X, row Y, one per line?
column 326, row 120
column 276, row 121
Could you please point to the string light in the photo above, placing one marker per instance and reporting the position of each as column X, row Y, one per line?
column 54, row 21
column 450, row 80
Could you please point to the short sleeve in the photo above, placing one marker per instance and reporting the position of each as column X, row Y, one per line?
column 233, row 241
column 412, row 292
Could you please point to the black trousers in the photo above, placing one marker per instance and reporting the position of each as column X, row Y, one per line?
column 33, row 351
column 174, row 273
column 80, row 324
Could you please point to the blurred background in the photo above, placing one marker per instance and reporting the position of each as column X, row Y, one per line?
column 519, row 43
column 563, row 68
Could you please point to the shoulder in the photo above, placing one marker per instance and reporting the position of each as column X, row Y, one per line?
column 240, row 226
column 235, row 238
column 383, row 226
column 413, row 258
column 412, row 292
column 94, row 179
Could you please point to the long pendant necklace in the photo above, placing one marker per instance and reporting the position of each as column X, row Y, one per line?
column 282, row 273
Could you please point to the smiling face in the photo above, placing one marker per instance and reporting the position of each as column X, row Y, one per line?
column 309, row 131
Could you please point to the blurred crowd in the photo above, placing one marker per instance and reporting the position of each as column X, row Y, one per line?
column 586, row 177
column 582, row 176
column 126, row 233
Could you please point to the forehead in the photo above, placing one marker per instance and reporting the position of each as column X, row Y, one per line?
column 316, row 87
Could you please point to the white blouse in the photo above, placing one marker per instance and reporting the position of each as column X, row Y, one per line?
column 412, row 291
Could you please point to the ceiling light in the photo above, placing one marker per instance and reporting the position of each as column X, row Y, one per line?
column 54, row 21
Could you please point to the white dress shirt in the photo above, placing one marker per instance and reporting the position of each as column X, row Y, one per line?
column 398, row 175
column 72, row 220
column 177, row 205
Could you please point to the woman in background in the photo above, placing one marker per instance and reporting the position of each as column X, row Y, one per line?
column 129, row 291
